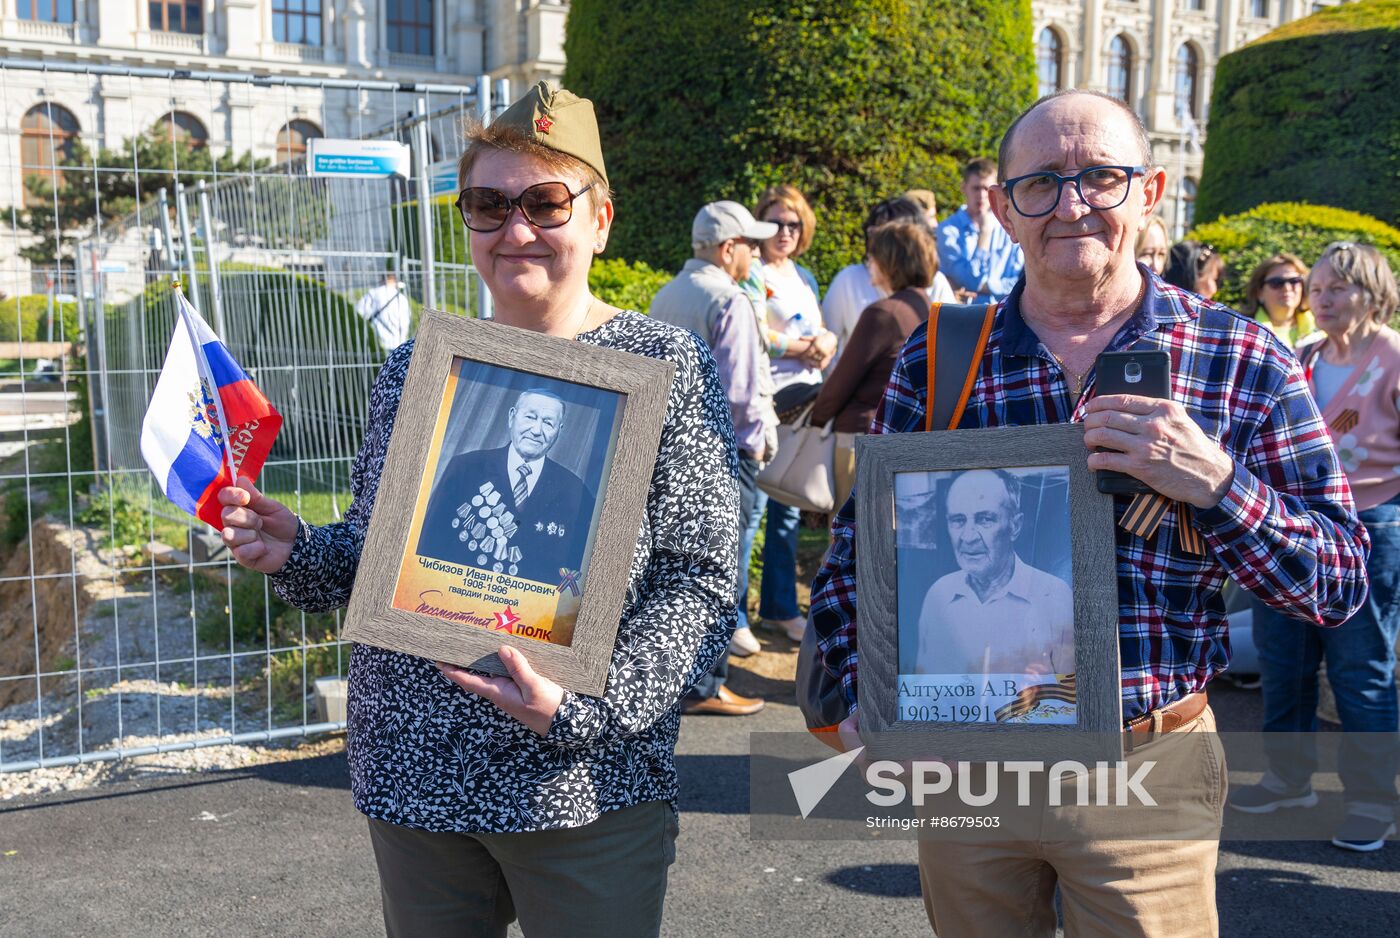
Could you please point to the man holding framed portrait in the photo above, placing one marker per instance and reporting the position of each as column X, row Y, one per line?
column 1246, row 483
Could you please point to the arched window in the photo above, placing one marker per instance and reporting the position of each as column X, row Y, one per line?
column 291, row 139
column 46, row 11
column 410, row 25
column 1188, row 77
column 1049, row 60
column 297, row 21
column 177, row 16
column 48, row 136
column 1120, row 69
column 182, row 126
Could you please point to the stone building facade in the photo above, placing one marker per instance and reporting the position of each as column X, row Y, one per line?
column 442, row 42
column 1159, row 56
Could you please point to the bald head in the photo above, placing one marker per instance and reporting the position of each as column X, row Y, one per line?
column 1077, row 111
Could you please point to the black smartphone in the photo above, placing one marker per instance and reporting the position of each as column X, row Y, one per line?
column 1146, row 374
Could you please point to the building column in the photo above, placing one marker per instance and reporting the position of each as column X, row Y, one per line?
column 1229, row 23
column 467, row 53
column 118, row 23
column 1161, row 89
column 243, row 28
column 356, row 48
column 1092, row 59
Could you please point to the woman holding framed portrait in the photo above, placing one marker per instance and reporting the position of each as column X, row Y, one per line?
column 496, row 797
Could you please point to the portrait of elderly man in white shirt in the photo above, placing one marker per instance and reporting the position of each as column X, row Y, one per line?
column 995, row 614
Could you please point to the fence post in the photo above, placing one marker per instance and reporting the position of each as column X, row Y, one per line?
column 423, row 144
column 182, row 216
column 167, row 250
column 101, row 451
column 502, row 95
column 484, row 308
column 206, row 224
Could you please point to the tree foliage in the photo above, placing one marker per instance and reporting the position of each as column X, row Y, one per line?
column 700, row 100
column 109, row 184
column 1310, row 111
column 1305, row 230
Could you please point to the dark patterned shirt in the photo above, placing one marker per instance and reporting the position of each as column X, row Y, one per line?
column 423, row 753
column 1286, row 530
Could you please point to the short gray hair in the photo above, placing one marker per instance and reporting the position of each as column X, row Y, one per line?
column 1363, row 266
column 1143, row 142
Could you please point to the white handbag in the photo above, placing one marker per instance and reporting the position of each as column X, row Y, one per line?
column 801, row 473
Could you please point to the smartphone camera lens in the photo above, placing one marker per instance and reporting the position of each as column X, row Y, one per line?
column 1132, row 372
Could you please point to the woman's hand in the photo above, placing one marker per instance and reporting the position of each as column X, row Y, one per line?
column 258, row 530
column 529, row 697
column 820, row 351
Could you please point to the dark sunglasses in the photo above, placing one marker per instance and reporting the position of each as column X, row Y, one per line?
column 1278, row 283
column 793, row 226
column 544, row 205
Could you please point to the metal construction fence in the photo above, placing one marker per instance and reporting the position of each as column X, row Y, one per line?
column 124, row 627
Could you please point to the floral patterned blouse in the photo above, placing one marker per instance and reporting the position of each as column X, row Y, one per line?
column 425, row 754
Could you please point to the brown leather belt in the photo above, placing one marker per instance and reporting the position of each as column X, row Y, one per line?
column 1143, row 729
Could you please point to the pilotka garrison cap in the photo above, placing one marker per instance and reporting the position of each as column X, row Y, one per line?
column 560, row 120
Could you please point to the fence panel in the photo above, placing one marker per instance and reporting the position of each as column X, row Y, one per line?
column 124, row 626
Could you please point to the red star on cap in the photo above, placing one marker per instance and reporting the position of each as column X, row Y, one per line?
column 542, row 124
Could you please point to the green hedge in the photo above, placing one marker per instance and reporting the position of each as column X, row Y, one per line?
column 852, row 102
column 624, row 285
column 24, row 319
column 1310, row 111
column 1246, row 239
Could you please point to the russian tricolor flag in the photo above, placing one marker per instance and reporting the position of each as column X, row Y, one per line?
column 200, row 391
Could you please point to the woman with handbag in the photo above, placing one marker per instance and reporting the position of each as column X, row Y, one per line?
column 903, row 261
column 800, row 346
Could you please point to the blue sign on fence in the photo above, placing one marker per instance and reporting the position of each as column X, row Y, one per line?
column 378, row 159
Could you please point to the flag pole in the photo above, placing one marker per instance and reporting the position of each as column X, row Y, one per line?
column 206, row 374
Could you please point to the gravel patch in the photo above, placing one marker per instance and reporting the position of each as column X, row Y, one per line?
column 138, row 673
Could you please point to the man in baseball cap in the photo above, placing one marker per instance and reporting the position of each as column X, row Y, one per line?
column 719, row 222
column 706, row 298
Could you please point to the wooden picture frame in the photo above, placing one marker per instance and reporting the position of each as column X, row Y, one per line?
column 455, row 561
column 928, row 703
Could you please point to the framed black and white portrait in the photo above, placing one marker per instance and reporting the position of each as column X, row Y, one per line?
column 986, row 591
column 512, row 492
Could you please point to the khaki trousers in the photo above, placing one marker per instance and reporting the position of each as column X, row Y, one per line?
column 844, row 468
column 1110, row 884
column 607, row 879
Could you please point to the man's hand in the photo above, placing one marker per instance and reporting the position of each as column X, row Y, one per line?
column 258, row 530
column 1156, row 442
column 529, row 697
column 964, row 296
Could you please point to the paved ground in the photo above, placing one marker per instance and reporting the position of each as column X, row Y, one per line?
column 278, row 850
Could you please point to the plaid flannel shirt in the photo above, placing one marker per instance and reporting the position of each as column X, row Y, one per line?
column 1286, row 529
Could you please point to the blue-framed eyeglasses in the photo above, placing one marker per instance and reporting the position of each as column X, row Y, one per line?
column 1099, row 187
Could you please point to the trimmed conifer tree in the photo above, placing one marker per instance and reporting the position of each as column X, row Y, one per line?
column 1309, row 112
column 851, row 102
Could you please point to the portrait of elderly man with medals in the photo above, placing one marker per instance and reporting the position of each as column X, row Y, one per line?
column 512, row 509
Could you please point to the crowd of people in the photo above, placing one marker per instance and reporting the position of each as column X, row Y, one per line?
column 492, row 798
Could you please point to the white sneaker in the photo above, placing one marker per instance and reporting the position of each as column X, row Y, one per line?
column 743, row 643
column 793, row 628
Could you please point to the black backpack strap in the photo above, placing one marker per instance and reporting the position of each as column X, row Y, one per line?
column 957, row 337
